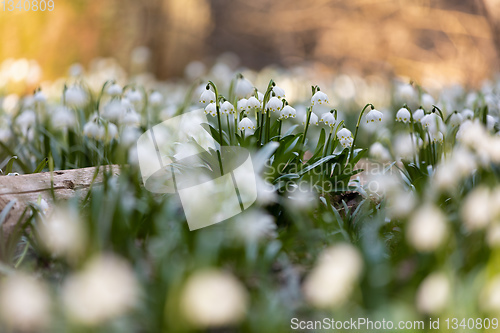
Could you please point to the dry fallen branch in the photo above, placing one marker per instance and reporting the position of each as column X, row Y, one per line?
column 27, row 188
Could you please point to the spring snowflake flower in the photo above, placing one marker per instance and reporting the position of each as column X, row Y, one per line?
column 93, row 129
column 279, row 92
column 328, row 119
column 467, row 114
column 436, row 137
column 243, row 88
column 115, row 110
column 403, row 115
column 433, row 294
column 418, row 114
column 242, row 105
column 433, row 123
column 156, row 98
column 287, row 112
column 456, row 119
column 274, row 104
column 490, row 122
column 427, row 101
column 379, row 152
column 246, row 124
column 111, row 132
column 203, row 305
column 207, row 96
column 319, row 98
column 255, row 226
column 345, row 138
column 131, row 118
column 134, row 96
column 427, row 229
column 114, row 90
column 253, row 103
column 477, row 208
column 313, row 120
column 39, row 97
column 211, row 109
column 26, row 120
column 75, row 96
column 62, row 117
column 374, row 116
column 129, row 136
column 227, row 108
column 406, row 92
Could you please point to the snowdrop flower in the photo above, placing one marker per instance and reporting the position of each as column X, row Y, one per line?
column 76, row 97
column 243, row 88
column 287, row 112
column 207, row 96
column 211, row 109
column 433, row 294
column 332, row 280
column 63, row 117
column 134, row 96
column 403, row 115
column 274, row 104
column 328, row 119
column 456, row 119
column 427, row 229
column 24, row 303
column 313, row 120
column 155, row 98
column 212, row 298
column 105, row 289
column 114, row 90
column 246, row 124
column 227, row 108
column 374, row 116
column 344, row 134
column 279, row 92
column 131, row 118
column 242, row 105
column 418, row 115
column 39, row 97
column 427, row 101
column 319, row 98
column 379, row 152
column 468, row 114
column 253, row 103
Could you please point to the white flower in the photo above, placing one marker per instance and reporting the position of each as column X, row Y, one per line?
column 44, row 207
column 436, row 137
column 328, row 119
column 433, row 123
column 242, row 105
column 105, row 289
column 115, row 110
column 433, row 294
column 274, row 104
column 114, row 90
column 476, row 209
column 418, row 114
column 93, row 129
column 246, row 124
column 334, row 277
column 379, row 152
column 243, row 88
column 227, row 108
column 260, row 97
column 131, row 118
column 468, row 114
column 279, row 92
column 374, row 116
column 213, row 298
column 76, row 70
column 403, row 115
column 344, row 134
column 427, row 229
column 75, row 96
column 287, row 112
column 490, row 122
column 26, row 120
column 427, row 101
column 112, row 132
column 254, row 226
column 313, row 120
column 406, row 92
column 134, row 96
column 456, row 119
column 24, row 303
column 39, row 97
column 63, row 117
column 207, row 96
column 156, row 98
column 63, row 234
column 129, row 136
column 253, row 103
column 211, row 109
column 319, row 98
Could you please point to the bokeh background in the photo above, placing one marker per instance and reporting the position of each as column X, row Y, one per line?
column 432, row 42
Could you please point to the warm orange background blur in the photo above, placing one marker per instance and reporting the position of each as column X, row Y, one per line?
column 444, row 40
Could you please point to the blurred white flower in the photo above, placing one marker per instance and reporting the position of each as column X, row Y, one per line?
column 114, row 110
column 155, row 98
column 105, row 289
column 62, row 117
column 427, row 101
column 456, row 119
column 274, row 104
column 243, row 88
column 39, row 97
column 114, row 90
column 490, row 122
column 476, row 209
column 111, row 132
column 400, row 203
column 134, row 96
column 93, row 129
column 287, row 112
column 131, row 118
column 433, row 294
column 75, row 96
column 332, row 280
column 467, row 114
column 433, row 123
column 427, row 229
column 213, row 298
column 378, row 152
column 24, row 303
column 374, row 116
column 207, row 96
column 403, row 115
column 319, row 98
column 406, row 92
column 195, row 70
column 254, row 225
column 26, row 120
column 129, row 136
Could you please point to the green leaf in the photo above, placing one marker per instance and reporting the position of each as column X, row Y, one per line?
column 8, row 167
column 42, row 165
column 317, row 163
column 6, row 210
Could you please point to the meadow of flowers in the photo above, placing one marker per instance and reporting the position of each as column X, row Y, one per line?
column 377, row 199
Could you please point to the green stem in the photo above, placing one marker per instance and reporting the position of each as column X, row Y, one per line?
column 309, row 110
column 217, row 106
column 357, row 127
column 325, row 150
column 279, row 130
